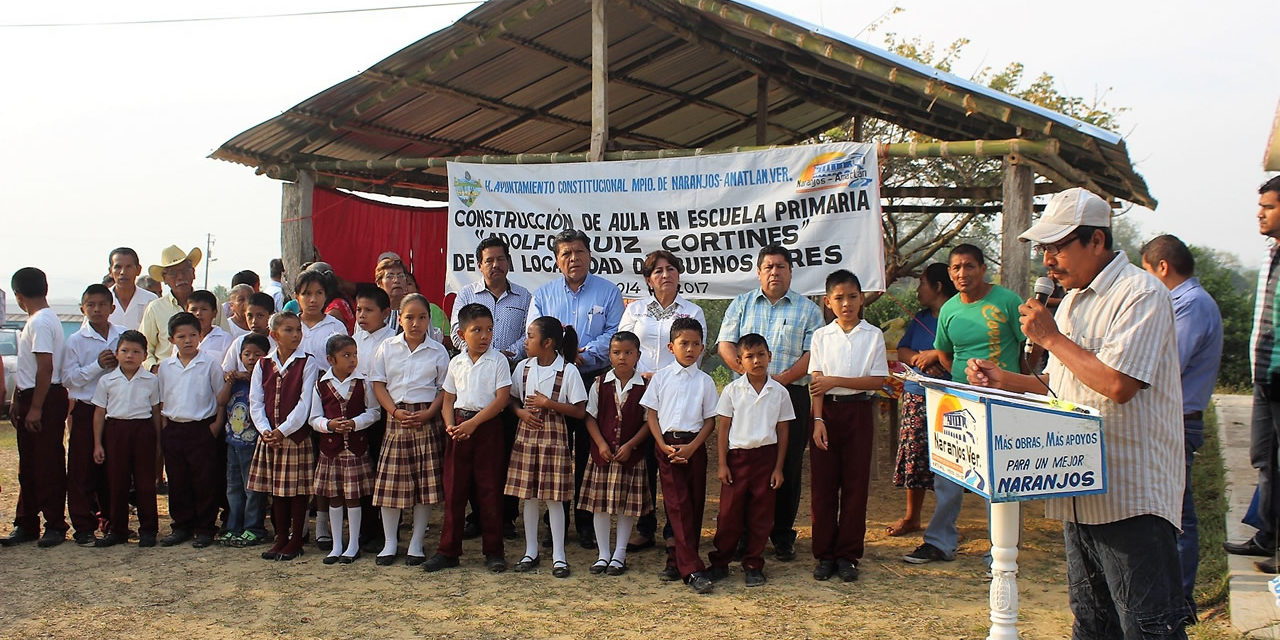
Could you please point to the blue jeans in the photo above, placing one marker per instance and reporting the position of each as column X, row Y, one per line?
column 246, row 507
column 942, row 532
column 1189, row 541
column 1124, row 580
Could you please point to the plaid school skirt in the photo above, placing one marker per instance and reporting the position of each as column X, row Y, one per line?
column 616, row 489
column 541, row 465
column 345, row 476
column 286, row 472
column 411, row 463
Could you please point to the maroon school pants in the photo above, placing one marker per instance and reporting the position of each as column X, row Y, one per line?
column 684, row 492
column 42, row 461
column 746, row 506
column 86, row 480
column 476, row 461
column 131, row 460
column 839, row 478
column 190, row 460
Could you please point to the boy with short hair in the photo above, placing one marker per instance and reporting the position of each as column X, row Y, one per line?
column 476, row 389
column 681, row 403
column 373, row 308
column 89, row 353
column 751, row 434
column 39, row 413
column 126, row 419
column 190, row 380
column 214, row 340
column 847, row 362
column 258, row 317
column 244, row 522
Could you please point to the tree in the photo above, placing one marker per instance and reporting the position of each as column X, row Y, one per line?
column 1232, row 287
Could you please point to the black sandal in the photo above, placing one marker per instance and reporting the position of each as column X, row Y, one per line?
column 601, row 565
column 560, row 569
column 526, row 564
column 616, row 567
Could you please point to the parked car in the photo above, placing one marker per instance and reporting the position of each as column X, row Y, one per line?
column 9, row 352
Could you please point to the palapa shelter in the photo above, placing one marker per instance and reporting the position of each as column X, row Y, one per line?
column 537, row 81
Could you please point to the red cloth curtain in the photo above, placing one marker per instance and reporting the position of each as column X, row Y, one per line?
column 350, row 231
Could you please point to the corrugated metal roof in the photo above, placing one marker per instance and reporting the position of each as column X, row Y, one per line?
column 513, row 76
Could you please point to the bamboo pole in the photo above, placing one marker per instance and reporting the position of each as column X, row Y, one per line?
column 599, row 81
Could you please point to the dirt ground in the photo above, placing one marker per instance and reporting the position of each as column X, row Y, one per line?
column 125, row 591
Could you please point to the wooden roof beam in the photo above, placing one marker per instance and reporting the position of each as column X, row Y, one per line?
column 382, row 131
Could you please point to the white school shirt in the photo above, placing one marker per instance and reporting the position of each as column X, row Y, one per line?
column 619, row 392
column 543, row 380
column 190, row 393
column 41, row 334
column 367, row 417
column 411, row 376
column 476, row 383
column 235, row 330
column 80, row 370
column 367, row 347
column 683, row 397
column 130, row 317
column 314, row 338
column 216, row 343
column 856, row 354
column 127, row 398
column 257, row 397
column 231, row 359
column 755, row 416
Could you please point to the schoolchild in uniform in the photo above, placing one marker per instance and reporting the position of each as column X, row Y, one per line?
column 214, row 340
column 681, row 403
column 191, row 430
column 616, row 481
column 258, row 317
column 342, row 407
column 751, row 440
column 406, row 376
column 476, row 390
column 545, row 389
column 283, row 462
column 314, row 293
column 373, row 307
column 847, row 361
column 126, row 419
column 89, row 353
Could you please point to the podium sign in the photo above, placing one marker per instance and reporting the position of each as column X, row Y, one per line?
column 1009, row 447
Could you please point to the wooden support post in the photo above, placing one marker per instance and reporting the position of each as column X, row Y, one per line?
column 599, row 81
column 762, row 110
column 1015, row 255
column 297, row 244
column 859, row 121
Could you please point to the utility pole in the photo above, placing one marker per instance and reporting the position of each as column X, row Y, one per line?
column 208, row 257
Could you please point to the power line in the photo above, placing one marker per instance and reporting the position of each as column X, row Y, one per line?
column 229, row 18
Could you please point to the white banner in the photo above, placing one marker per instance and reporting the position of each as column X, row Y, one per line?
column 821, row 202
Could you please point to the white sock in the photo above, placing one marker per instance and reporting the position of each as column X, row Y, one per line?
column 531, row 528
column 555, row 510
column 322, row 523
column 335, row 528
column 625, row 525
column 600, row 522
column 390, row 530
column 355, row 518
column 421, row 512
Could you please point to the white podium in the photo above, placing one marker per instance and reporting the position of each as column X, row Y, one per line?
column 1010, row 447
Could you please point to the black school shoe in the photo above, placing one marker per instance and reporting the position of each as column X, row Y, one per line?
column 824, row 570
column 146, row 540
column 19, row 535
column 669, row 574
column 86, row 539
column 470, row 530
column 699, row 582
column 201, row 541
column 109, row 540
column 1249, row 547
column 715, row 574
column 331, row 559
column 51, row 538
column 495, row 564
column 785, row 552
column 178, row 536
column 847, row 570
column 754, row 577
column 438, row 562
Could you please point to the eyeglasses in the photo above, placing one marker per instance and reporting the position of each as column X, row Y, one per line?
column 1053, row 249
column 395, row 276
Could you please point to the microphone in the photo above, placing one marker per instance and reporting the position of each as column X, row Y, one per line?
column 1042, row 290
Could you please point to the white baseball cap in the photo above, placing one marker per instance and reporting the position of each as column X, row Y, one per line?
column 1067, row 210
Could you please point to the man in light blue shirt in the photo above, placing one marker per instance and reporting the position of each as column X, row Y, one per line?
column 1199, row 327
column 508, row 301
column 593, row 307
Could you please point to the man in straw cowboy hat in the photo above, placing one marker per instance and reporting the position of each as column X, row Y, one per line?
column 177, row 270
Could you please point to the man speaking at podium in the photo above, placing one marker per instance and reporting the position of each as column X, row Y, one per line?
column 1111, row 347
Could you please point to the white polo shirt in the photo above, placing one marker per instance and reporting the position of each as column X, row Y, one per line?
column 476, row 383
column 619, row 392
column 343, row 388
column 231, row 359
column 411, row 375
column 543, row 380
column 131, row 317
column 80, row 370
column 367, row 347
column 257, row 397
column 854, row 354
column 755, row 415
column 314, row 338
column 683, row 397
column 216, row 343
column 189, row 393
column 41, row 334
column 127, row 398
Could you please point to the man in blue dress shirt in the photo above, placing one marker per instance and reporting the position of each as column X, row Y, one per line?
column 593, row 307
column 1199, row 326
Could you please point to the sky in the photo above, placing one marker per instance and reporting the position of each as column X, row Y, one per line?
column 105, row 130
